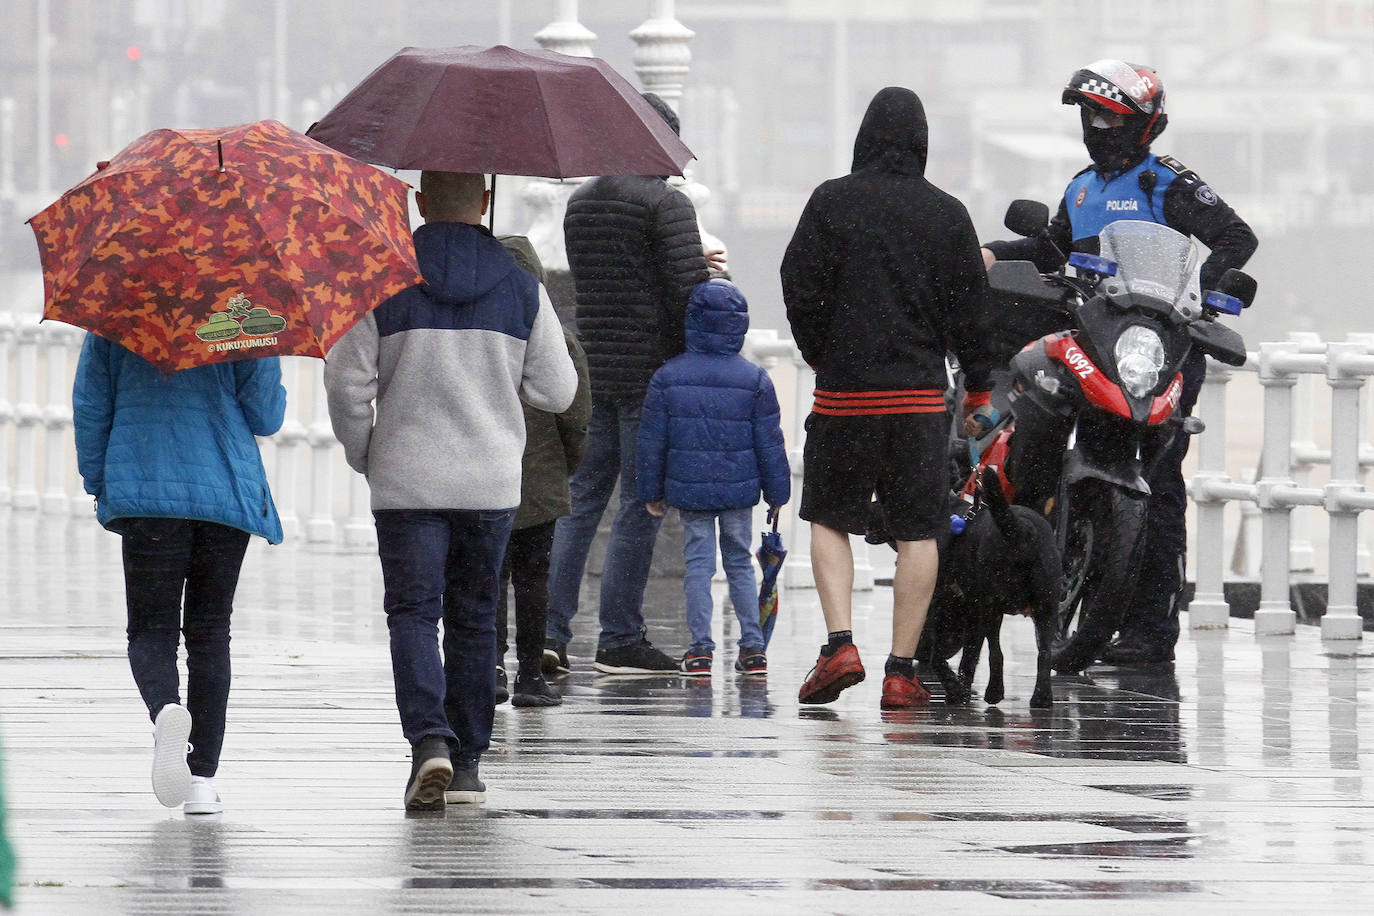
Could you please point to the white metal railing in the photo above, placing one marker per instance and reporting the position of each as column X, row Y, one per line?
column 321, row 500
column 1283, row 483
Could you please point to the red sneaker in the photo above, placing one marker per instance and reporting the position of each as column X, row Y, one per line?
column 832, row 674
column 903, row 693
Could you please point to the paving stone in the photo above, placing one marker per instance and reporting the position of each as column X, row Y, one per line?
column 1236, row 782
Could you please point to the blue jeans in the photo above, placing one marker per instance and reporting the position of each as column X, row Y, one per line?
column 164, row 557
column 699, row 552
column 612, row 447
column 443, row 564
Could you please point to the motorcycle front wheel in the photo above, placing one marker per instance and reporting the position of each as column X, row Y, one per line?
column 1101, row 561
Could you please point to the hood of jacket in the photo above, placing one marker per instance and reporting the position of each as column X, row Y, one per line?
column 460, row 262
column 894, row 135
column 717, row 317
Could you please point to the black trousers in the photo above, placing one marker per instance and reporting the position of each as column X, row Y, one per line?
column 164, row 558
column 1153, row 612
column 526, row 568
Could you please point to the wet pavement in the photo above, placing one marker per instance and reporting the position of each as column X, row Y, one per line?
column 1234, row 783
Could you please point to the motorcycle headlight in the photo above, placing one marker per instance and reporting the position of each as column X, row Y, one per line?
column 1139, row 358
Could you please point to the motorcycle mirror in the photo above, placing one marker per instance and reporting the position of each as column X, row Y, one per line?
column 1027, row 217
column 1238, row 284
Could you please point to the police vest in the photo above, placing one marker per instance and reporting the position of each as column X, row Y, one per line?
column 1093, row 201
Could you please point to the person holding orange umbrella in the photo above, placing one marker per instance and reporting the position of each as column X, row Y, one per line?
column 175, row 470
column 195, row 258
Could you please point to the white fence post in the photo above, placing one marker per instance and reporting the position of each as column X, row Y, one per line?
column 1347, row 364
column 320, row 435
column 27, row 416
column 1275, row 492
column 1366, row 457
column 7, row 414
column 1275, row 614
column 57, row 417
column 1208, row 609
column 285, row 483
column 796, row 572
column 1306, row 454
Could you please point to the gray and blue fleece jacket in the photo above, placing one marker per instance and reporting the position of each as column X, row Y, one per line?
column 425, row 392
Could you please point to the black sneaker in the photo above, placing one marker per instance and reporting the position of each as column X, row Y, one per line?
column 555, row 660
column 532, row 690
column 696, row 664
column 430, row 772
column 1127, row 651
column 751, row 661
column 636, row 658
column 465, row 788
column 502, row 693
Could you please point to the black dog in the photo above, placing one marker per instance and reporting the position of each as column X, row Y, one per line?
column 1005, row 562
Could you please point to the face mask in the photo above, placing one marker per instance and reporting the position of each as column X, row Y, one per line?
column 1109, row 147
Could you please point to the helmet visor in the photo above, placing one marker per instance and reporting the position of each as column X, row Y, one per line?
column 1101, row 119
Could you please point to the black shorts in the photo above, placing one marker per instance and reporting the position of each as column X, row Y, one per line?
column 902, row 458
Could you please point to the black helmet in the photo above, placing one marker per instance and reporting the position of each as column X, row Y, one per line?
column 1132, row 90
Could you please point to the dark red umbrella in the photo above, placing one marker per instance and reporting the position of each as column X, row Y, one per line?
column 500, row 111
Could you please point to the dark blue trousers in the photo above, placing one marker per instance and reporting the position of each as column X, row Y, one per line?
column 443, row 564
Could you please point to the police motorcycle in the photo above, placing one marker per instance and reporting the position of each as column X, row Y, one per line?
column 1094, row 401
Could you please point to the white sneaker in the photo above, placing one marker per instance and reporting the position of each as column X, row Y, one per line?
column 202, row 797
column 171, row 775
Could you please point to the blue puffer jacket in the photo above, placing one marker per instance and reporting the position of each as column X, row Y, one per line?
column 710, row 438
column 176, row 446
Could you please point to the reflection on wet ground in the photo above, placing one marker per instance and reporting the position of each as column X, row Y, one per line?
column 1233, row 782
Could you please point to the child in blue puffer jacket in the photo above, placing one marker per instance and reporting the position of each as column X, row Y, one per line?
column 709, row 443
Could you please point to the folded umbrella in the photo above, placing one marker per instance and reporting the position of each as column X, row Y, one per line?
column 770, row 556
column 199, row 246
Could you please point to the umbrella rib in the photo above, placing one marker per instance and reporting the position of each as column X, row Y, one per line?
column 310, row 325
column 548, row 129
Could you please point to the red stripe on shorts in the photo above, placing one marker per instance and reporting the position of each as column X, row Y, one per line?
column 870, row 403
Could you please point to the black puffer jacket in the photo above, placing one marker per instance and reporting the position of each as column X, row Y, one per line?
column 883, row 276
column 635, row 254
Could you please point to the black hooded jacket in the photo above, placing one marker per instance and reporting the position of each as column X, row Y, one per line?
column 635, row 253
column 883, row 275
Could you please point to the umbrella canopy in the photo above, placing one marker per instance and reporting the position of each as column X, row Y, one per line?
column 501, row 111
column 770, row 556
column 200, row 246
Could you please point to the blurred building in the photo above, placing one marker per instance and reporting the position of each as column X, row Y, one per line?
column 1271, row 100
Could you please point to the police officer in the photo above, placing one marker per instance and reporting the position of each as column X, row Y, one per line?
column 1122, row 109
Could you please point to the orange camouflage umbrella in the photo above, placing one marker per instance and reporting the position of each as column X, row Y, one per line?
column 200, row 246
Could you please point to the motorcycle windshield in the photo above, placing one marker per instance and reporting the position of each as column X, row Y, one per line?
column 1156, row 266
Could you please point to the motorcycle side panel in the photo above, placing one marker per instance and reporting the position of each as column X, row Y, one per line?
column 1100, row 391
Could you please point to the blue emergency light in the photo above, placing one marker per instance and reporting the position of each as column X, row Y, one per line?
column 1223, row 303
column 1103, row 267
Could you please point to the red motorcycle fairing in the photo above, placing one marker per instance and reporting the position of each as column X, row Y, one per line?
column 1100, row 391
column 1164, row 406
